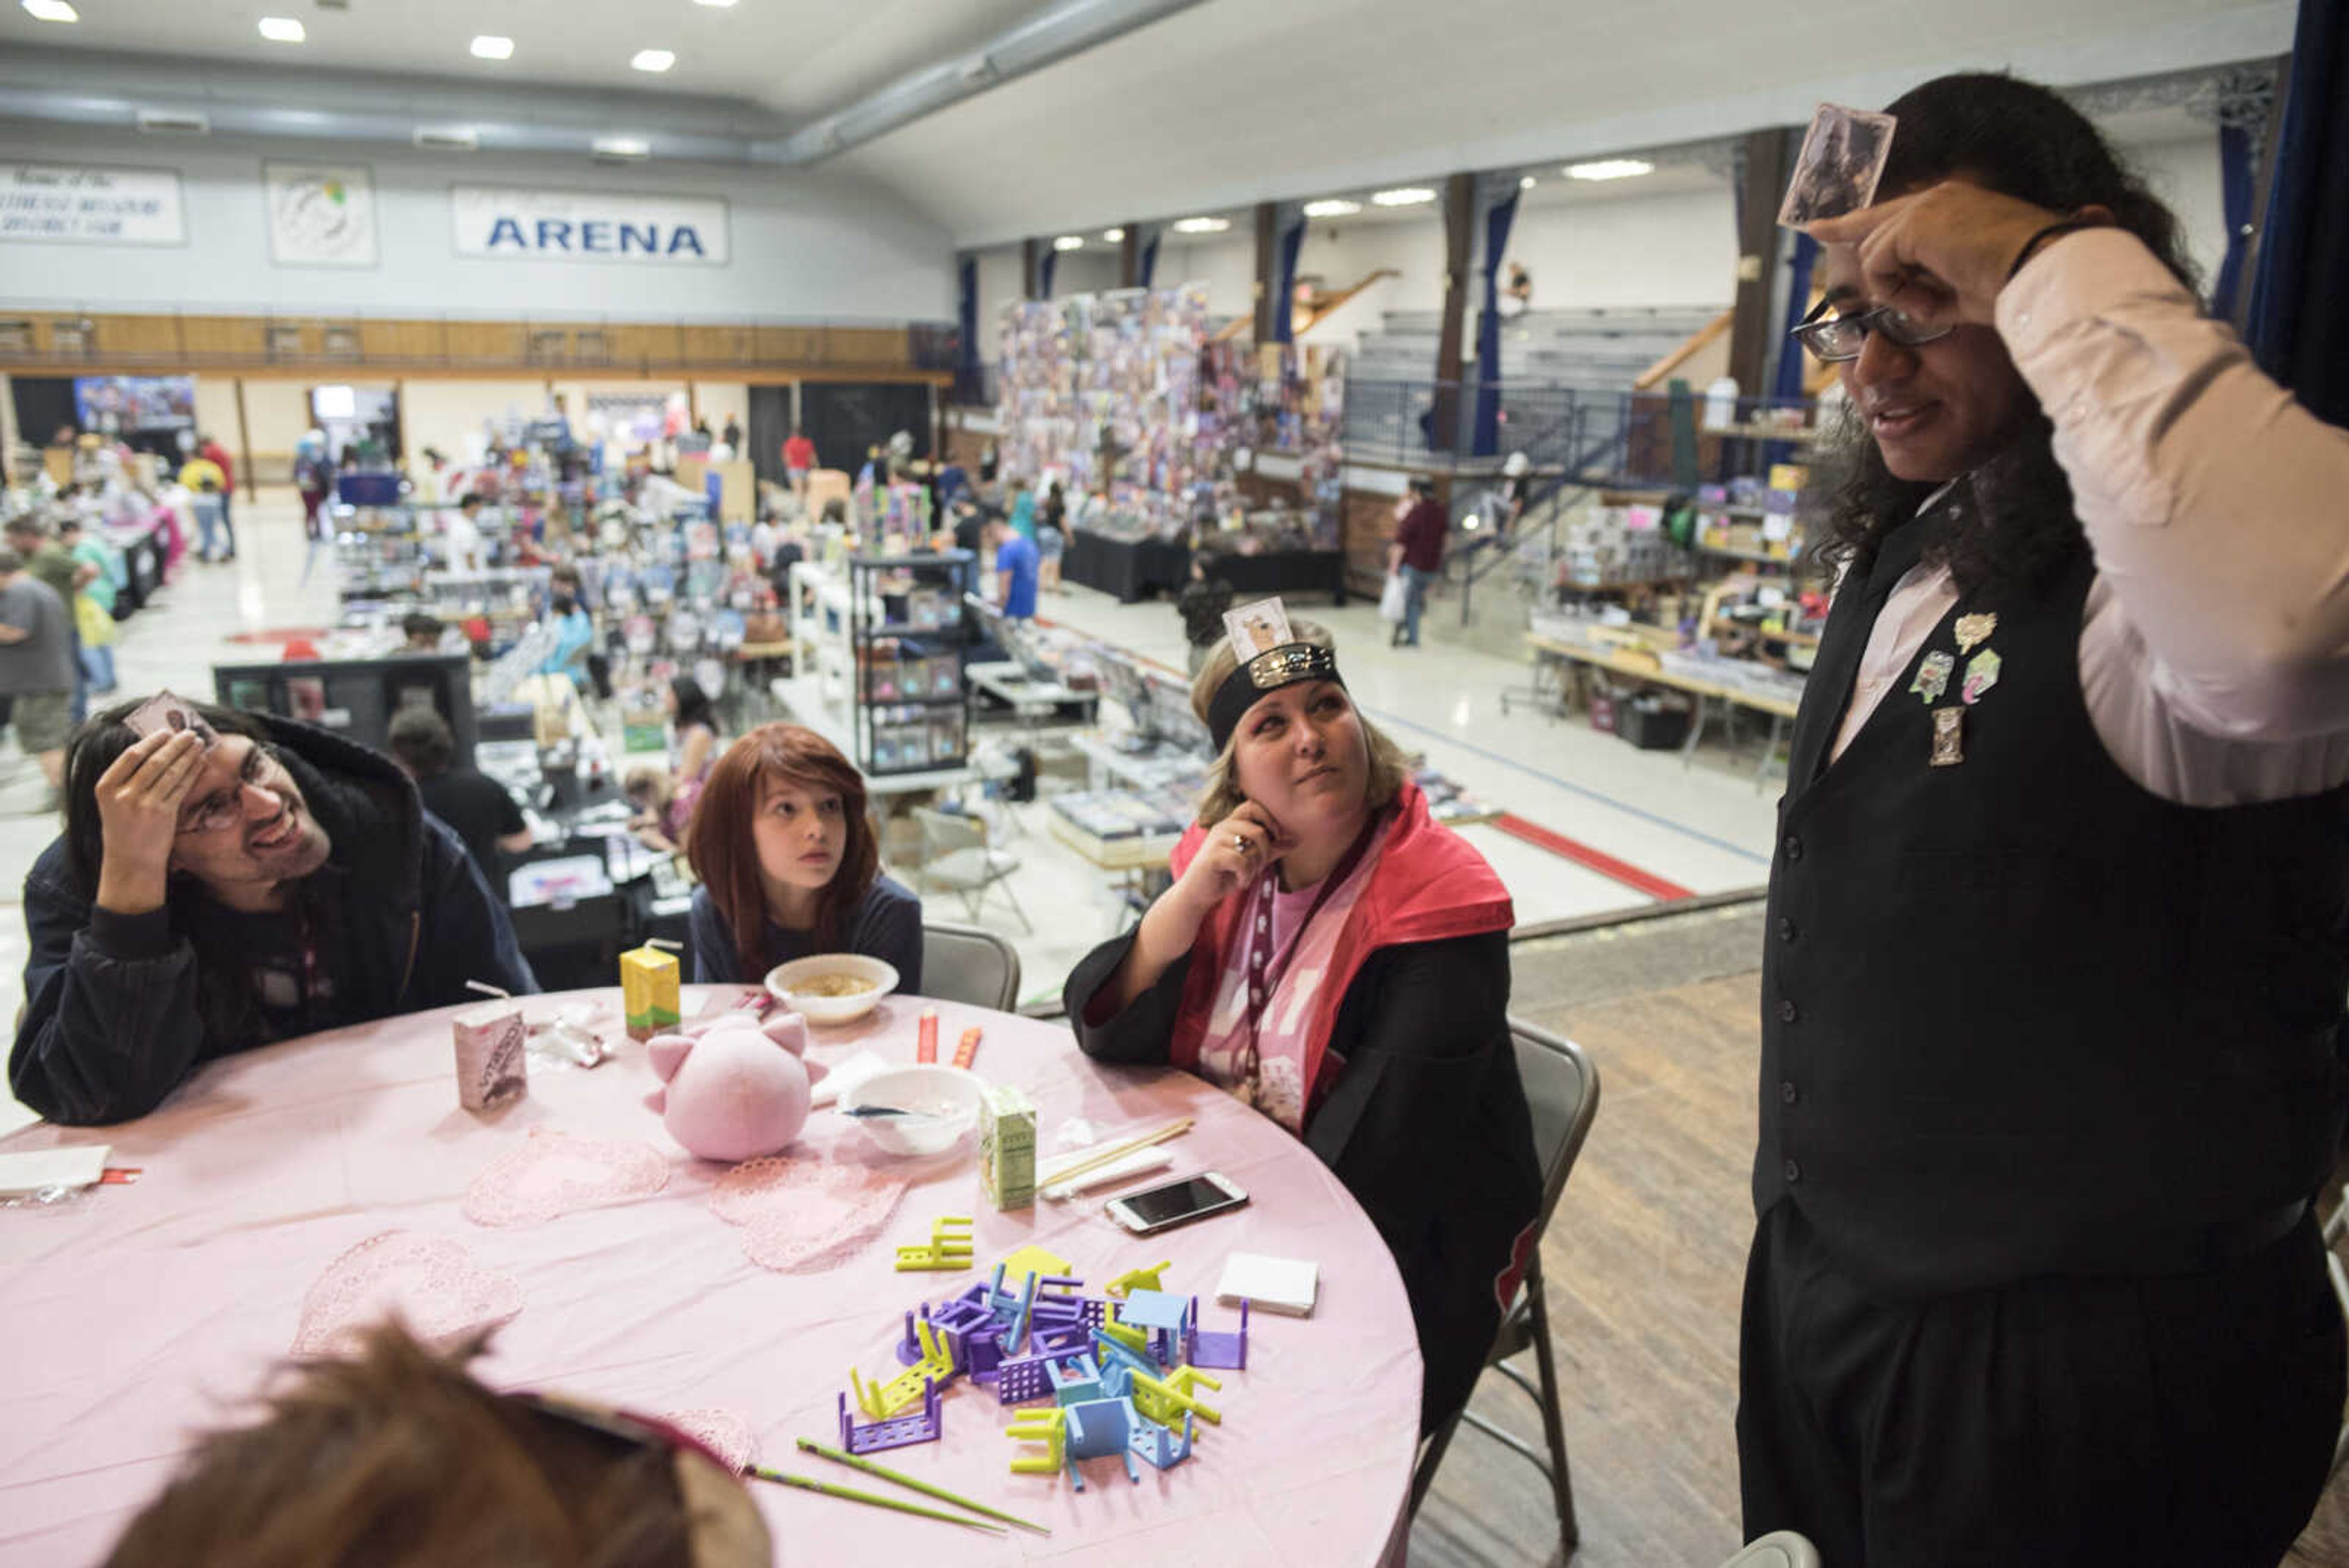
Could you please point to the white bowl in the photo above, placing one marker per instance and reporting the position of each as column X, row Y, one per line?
column 830, row 1009
column 947, row 1097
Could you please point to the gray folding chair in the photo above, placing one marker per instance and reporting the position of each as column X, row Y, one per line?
column 963, row 963
column 956, row 859
column 1562, row 1090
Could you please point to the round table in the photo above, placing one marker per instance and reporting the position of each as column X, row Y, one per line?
column 138, row 1312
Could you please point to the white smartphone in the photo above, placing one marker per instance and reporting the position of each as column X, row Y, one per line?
column 1176, row 1203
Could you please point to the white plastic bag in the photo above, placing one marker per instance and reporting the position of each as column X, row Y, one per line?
column 1393, row 599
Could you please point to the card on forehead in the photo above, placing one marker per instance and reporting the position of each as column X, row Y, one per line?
column 165, row 711
column 1842, row 159
column 1256, row 628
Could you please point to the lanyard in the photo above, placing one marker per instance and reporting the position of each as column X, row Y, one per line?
column 1263, row 975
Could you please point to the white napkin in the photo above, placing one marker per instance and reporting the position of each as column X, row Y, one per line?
column 78, row 1167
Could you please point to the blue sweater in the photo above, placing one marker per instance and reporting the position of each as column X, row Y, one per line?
column 889, row 927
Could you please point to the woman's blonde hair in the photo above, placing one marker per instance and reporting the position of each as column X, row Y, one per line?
column 1389, row 765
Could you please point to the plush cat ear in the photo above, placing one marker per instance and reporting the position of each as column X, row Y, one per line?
column 667, row 1052
column 658, row 1101
column 788, row 1030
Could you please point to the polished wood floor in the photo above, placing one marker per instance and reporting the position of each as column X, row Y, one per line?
column 1645, row 1258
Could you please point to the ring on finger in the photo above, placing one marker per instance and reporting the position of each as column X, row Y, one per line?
column 1241, row 843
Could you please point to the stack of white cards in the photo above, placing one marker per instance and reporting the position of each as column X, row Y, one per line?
column 1287, row 1285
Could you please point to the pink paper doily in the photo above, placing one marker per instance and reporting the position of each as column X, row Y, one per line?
column 794, row 1213
column 552, row 1174
column 431, row 1283
column 726, row 1433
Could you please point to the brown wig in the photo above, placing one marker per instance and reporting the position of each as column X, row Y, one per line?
column 2024, row 140
column 399, row 1459
column 726, row 857
column 1388, row 766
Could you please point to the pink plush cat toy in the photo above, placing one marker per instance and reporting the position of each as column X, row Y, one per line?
column 734, row 1089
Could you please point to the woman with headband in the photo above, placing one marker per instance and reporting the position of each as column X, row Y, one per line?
column 1335, row 957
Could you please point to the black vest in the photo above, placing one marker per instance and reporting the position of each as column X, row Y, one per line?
column 2018, row 1010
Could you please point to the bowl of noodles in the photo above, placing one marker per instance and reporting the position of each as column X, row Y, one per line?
column 832, row 988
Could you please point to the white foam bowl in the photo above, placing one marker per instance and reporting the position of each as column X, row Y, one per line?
column 947, row 1097
column 830, row 1009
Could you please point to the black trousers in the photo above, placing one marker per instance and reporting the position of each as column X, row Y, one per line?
column 2186, row 1420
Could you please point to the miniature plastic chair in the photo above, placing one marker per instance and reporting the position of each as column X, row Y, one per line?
column 1779, row 1549
column 955, row 857
column 964, row 964
column 1562, row 1090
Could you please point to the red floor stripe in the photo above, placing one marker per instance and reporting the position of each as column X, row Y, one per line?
column 1581, row 854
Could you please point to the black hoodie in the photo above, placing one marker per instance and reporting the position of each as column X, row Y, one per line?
column 111, row 1020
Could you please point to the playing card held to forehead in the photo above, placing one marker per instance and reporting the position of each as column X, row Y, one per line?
column 1258, row 629
column 1842, row 159
column 165, row 711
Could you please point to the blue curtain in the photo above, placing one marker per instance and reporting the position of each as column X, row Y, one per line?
column 2235, row 176
column 1486, row 438
column 967, row 362
column 1789, row 384
column 1045, row 266
column 1148, row 270
column 1292, row 240
column 2298, row 326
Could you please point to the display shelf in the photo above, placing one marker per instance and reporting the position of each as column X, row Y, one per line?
column 909, row 714
column 1760, row 557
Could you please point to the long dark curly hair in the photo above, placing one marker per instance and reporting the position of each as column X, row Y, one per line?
column 2020, row 139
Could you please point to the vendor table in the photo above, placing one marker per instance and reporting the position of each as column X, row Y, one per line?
column 139, row 1312
column 1128, row 568
column 1553, row 658
column 1286, row 572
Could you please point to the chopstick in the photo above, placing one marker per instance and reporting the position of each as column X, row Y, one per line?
column 809, row 1483
column 1102, row 1157
column 808, row 1445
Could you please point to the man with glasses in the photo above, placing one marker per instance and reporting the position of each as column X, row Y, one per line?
column 211, row 893
column 2058, row 933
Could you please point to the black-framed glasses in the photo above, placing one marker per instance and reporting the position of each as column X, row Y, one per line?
column 1834, row 339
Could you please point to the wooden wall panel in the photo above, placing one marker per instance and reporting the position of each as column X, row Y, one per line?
column 144, row 336
column 788, row 344
column 717, row 344
column 418, row 342
column 642, row 345
column 878, row 347
column 487, row 343
column 233, row 337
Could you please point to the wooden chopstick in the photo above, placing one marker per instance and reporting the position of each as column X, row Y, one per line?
column 1102, row 1157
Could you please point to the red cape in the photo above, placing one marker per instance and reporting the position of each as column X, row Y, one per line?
column 1429, row 885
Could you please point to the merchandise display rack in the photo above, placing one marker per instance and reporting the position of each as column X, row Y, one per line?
column 908, row 635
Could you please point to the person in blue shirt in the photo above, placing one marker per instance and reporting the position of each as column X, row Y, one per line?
column 574, row 629
column 1015, row 571
column 789, row 865
column 1023, row 510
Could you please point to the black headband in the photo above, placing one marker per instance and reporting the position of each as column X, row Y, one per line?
column 1269, row 671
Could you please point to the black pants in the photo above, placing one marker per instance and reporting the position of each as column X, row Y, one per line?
column 2056, row 1421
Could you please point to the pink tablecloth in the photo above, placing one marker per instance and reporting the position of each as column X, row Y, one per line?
column 134, row 1313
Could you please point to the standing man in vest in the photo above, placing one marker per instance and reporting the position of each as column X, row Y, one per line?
column 2056, row 950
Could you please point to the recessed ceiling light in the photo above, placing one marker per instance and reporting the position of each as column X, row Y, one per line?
column 1335, row 207
column 653, row 59
column 628, row 147
column 1524, row 183
column 717, row 5
column 1114, row 236
column 1201, row 226
column 1070, row 242
column 489, row 47
column 52, row 11
column 1611, row 168
column 282, row 29
column 1403, row 196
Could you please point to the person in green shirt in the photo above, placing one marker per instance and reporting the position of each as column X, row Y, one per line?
column 94, row 609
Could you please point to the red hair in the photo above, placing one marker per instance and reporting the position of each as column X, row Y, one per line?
column 725, row 855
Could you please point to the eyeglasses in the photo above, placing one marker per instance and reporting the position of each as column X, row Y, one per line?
column 1834, row 339
column 225, row 808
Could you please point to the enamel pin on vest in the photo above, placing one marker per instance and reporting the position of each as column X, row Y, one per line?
column 1949, row 737
column 1933, row 676
column 1974, row 630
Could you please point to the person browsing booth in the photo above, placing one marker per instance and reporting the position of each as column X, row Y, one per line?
column 2058, row 929
column 1334, row 957
column 209, row 895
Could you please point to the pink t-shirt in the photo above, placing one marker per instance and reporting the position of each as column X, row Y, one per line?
column 1280, row 1090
